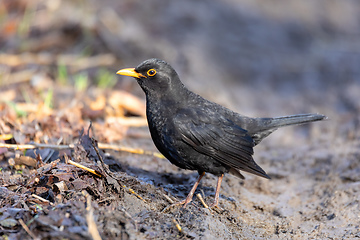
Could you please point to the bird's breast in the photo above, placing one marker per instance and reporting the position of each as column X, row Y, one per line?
column 157, row 118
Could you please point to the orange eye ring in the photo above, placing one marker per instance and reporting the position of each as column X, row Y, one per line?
column 151, row 72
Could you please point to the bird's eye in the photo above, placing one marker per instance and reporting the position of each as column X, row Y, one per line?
column 151, row 72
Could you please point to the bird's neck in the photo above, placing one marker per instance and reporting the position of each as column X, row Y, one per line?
column 167, row 101
column 173, row 95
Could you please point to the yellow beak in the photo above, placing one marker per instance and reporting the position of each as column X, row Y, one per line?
column 130, row 72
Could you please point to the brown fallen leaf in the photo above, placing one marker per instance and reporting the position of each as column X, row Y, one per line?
column 79, row 184
column 25, row 160
column 8, row 95
column 6, row 136
column 127, row 121
column 127, row 101
column 109, row 132
column 61, row 186
column 18, row 77
column 40, row 109
column 99, row 103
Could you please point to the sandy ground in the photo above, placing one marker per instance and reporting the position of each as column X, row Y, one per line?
column 313, row 194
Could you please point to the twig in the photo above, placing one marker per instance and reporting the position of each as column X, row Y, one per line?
column 92, row 228
column 85, row 168
column 73, row 61
column 42, row 199
column 35, row 145
column 71, row 146
column 17, row 77
column 27, row 229
column 104, row 166
column 128, row 149
column 106, row 199
column 202, row 200
column 133, row 192
column 107, row 171
column 177, row 225
column 168, row 198
column 127, row 214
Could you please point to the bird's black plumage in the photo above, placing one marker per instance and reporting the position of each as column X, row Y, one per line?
column 194, row 133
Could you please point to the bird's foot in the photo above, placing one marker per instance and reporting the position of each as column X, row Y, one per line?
column 189, row 196
column 216, row 208
column 174, row 205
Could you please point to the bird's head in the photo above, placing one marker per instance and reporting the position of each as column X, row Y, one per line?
column 154, row 76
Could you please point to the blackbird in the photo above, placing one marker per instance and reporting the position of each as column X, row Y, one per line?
column 196, row 134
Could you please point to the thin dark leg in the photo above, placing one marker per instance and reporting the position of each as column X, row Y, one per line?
column 217, row 191
column 191, row 193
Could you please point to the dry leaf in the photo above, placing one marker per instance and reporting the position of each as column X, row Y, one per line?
column 127, row 101
column 99, row 103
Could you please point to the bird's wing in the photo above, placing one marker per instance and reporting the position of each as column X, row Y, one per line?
column 219, row 138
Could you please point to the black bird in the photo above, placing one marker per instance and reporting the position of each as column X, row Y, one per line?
column 196, row 134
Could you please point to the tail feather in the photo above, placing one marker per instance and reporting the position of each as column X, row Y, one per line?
column 265, row 126
column 293, row 120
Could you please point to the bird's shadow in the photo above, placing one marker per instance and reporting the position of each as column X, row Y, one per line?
column 177, row 184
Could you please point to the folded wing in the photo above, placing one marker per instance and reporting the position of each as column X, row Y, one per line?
column 218, row 138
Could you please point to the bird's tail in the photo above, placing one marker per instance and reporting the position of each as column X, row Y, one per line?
column 292, row 120
column 263, row 127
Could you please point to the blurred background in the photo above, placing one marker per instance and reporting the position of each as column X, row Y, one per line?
column 260, row 58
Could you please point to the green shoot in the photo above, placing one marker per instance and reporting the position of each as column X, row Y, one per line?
column 81, row 81
column 105, row 79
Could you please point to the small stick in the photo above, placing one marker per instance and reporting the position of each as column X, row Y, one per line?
column 85, row 168
column 42, row 199
column 133, row 192
column 128, row 149
column 130, row 217
column 177, row 225
column 71, row 146
column 168, row 198
column 27, row 229
column 202, row 200
column 104, row 166
column 35, row 145
column 92, row 228
column 107, row 171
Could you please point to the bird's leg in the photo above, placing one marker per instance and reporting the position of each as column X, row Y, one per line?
column 217, row 192
column 191, row 193
column 189, row 196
